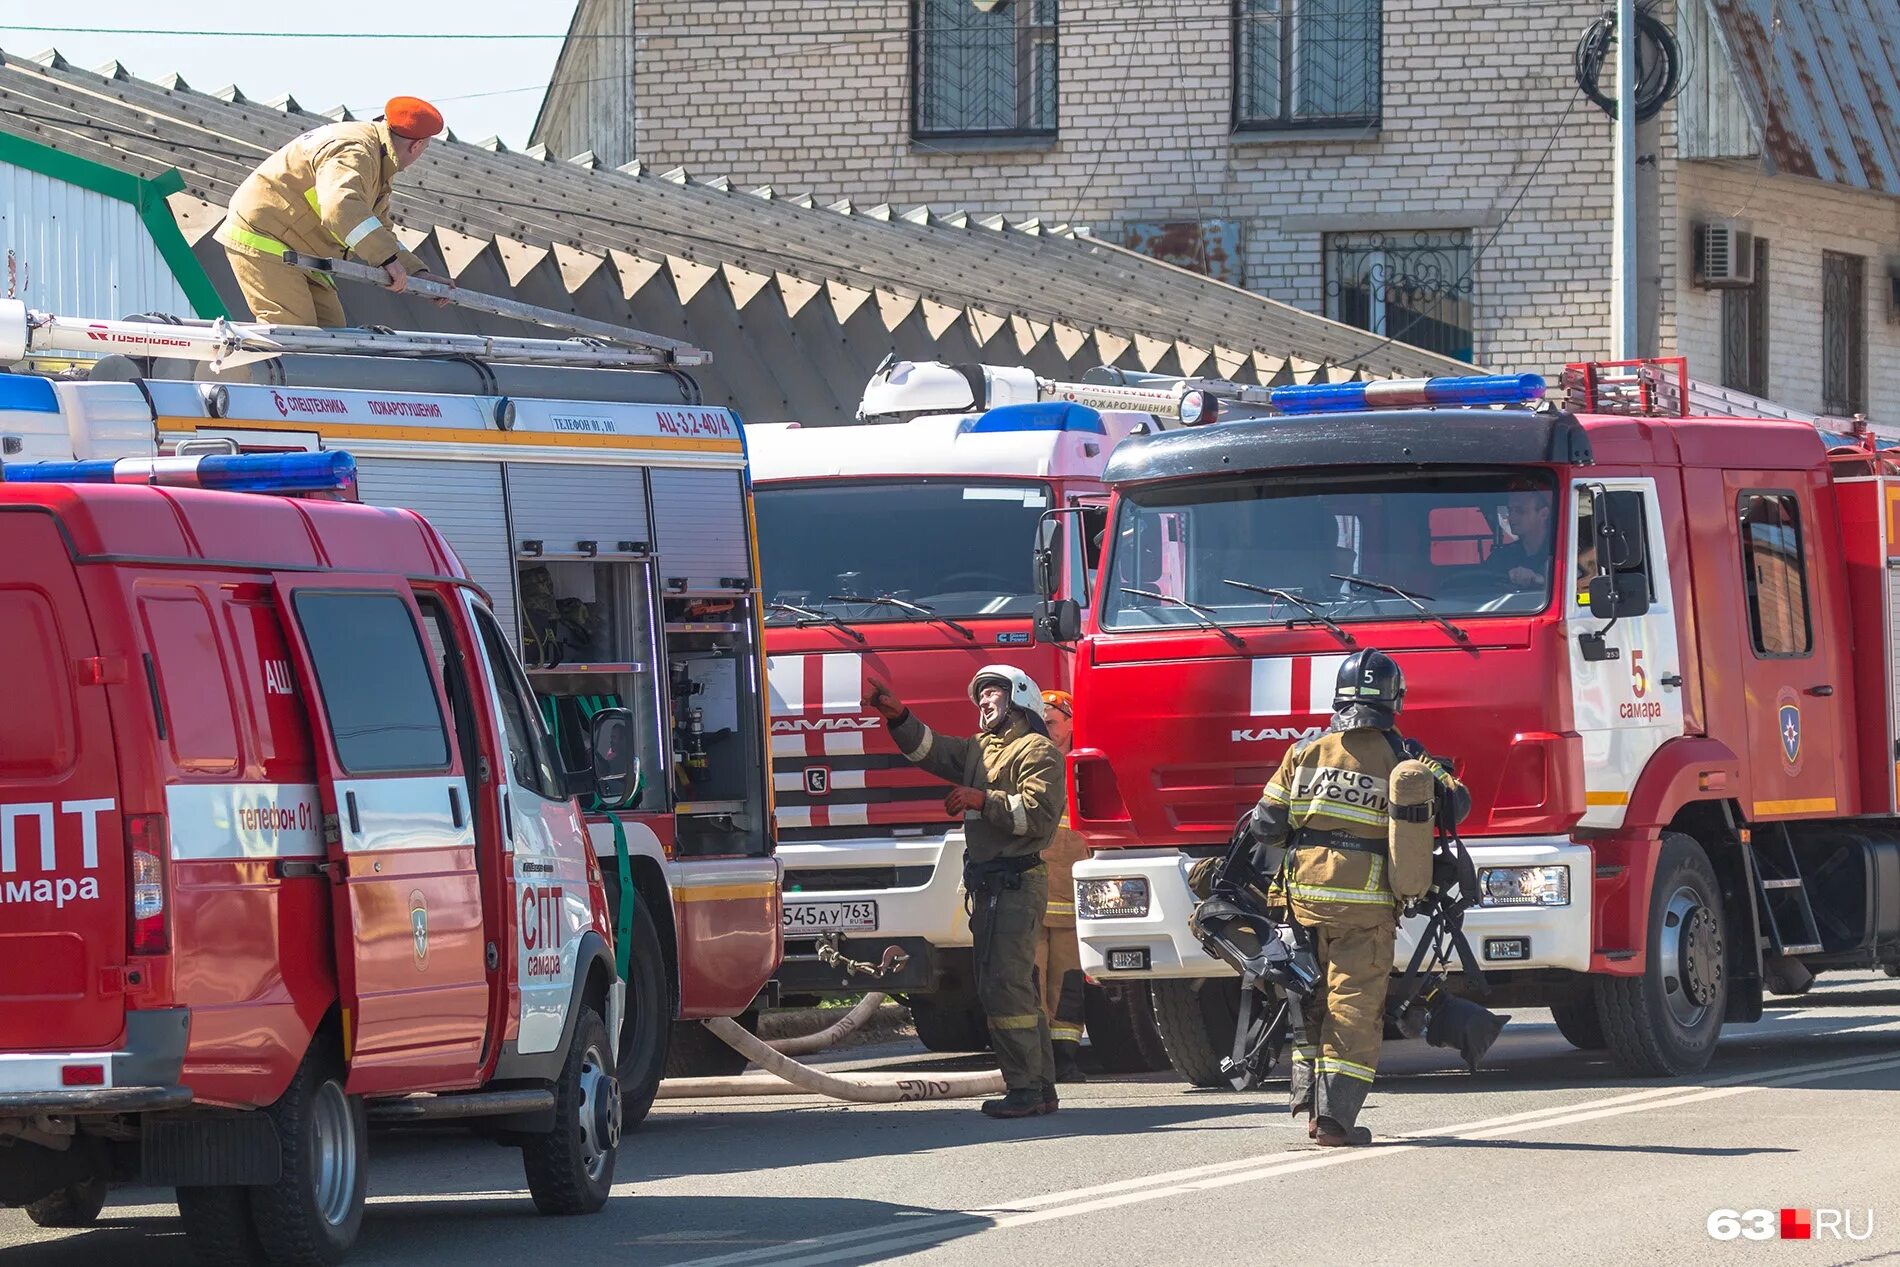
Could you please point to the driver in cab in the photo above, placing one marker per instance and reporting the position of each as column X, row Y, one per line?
column 1525, row 561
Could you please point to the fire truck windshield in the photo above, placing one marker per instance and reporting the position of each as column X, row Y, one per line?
column 960, row 548
column 1366, row 546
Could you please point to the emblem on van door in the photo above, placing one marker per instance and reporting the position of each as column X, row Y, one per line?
column 419, row 927
column 1790, row 719
column 818, row 780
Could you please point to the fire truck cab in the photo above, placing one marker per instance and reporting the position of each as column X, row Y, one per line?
column 1656, row 647
column 284, row 848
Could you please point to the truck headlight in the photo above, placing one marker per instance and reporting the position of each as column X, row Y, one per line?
column 1124, row 897
column 1524, row 886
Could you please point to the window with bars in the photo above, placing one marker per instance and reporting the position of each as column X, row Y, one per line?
column 983, row 74
column 1306, row 63
column 1412, row 287
column 1745, row 330
column 1843, row 334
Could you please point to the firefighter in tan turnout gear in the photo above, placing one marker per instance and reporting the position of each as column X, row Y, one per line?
column 1009, row 795
column 326, row 194
column 1327, row 807
column 1058, row 956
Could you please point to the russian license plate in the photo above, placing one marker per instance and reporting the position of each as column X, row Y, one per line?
column 830, row 917
column 1506, row 948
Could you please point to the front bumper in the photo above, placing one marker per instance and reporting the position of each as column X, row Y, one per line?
column 141, row 1076
column 929, row 912
column 1551, row 937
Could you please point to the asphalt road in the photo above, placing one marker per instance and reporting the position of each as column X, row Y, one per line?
column 1545, row 1156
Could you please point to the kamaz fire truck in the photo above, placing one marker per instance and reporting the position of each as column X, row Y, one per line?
column 1658, row 648
column 899, row 548
column 607, row 515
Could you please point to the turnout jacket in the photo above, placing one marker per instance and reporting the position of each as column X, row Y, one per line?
column 1327, row 807
column 1066, row 848
column 326, row 193
column 1019, row 771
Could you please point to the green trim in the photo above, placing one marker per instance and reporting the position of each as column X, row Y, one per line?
column 146, row 197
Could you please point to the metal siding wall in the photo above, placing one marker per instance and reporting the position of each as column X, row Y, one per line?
column 700, row 517
column 464, row 502
column 71, row 251
column 560, row 504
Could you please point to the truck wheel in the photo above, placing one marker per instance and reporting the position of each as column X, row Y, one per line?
column 75, row 1205
column 571, row 1168
column 1197, row 1020
column 647, row 1024
column 311, row 1216
column 1666, row 1021
column 693, row 1051
column 219, row 1226
column 950, row 1021
column 1580, row 1023
column 1122, row 1033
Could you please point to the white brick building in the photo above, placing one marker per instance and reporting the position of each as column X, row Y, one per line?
column 1370, row 161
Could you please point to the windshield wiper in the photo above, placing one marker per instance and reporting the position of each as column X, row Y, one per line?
column 920, row 611
column 1366, row 582
column 1314, row 615
column 1205, row 614
column 809, row 617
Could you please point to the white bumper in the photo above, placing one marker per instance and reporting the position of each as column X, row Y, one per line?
column 932, row 910
column 1557, row 936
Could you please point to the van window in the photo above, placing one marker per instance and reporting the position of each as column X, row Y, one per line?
column 38, row 740
column 528, row 749
column 200, row 725
column 1775, row 574
column 379, row 691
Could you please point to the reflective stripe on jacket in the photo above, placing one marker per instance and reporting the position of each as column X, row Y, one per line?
column 1019, row 771
column 326, row 193
column 1066, row 848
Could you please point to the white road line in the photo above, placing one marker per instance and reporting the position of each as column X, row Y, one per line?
column 1145, row 1188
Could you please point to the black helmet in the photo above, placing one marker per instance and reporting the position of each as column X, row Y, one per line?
column 1370, row 677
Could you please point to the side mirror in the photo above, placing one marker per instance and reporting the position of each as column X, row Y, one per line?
column 1047, row 572
column 1619, row 527
column 1059, row 620
column 616, row 769
column 1618, row 597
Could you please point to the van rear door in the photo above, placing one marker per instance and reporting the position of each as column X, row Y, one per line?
column 63, row 912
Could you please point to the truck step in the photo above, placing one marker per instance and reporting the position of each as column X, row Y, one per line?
column 1813, row 948
column 437, row 1108
column 1781, row 884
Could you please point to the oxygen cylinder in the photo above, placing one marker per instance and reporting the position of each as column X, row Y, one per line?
column 1410, row 833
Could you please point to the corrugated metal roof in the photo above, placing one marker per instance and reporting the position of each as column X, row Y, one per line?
column 56, row 234
column 1822, row 83
column 692, row 258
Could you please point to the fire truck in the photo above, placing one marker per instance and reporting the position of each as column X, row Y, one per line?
column 898, row 548
column 1657, row 647
column 604, row 511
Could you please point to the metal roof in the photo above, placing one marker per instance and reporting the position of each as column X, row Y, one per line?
column 1821, row 80
column 667, row 253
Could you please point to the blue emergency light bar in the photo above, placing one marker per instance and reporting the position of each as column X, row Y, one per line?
column 1047, row 415
column 1410, row 393
column 232, row 473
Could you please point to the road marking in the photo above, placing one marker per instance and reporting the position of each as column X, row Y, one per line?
column 1073, row 1203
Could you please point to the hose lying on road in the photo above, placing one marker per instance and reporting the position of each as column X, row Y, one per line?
column 833, row 1034
column 941, row 1086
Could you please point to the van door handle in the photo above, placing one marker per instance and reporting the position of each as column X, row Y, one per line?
column 356, row 823
column 455, row 805
column 1821, row 691
column 1671, row 680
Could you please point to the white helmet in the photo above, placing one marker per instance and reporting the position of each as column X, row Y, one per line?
column 1023, row 692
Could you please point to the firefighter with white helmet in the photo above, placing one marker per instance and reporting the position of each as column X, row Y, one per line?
column 1009, row 793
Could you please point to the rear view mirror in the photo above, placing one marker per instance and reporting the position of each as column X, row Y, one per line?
column 1059, row 620
column 1046, row 572
column 1619, row 597
column 1619, row 528
column 615, row 775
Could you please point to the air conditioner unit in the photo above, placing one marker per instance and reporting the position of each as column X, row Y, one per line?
column 1724, row 254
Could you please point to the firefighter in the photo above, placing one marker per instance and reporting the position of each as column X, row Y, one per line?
column 1327, row 807
column 1525, row 561
column 1009, row 794
column 1058, row 957
column 326, row 193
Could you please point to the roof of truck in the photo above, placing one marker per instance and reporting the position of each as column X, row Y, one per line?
column 943, row 444
column 134, row 522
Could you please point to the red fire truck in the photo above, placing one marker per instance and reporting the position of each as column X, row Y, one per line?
column 1657, row 647
column 283, row 847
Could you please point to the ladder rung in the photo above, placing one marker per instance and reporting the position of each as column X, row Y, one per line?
column 1781, row 884
column 1813, row 948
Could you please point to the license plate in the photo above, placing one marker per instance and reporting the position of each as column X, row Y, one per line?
column 1507, row 948
column 830, row 917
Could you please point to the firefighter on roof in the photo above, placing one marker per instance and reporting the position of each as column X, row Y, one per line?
column 1009, row 795
column 326, row 193
column 1058, row 957
column 1327, row 806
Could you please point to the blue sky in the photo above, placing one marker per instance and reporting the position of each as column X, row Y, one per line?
column 484, row 87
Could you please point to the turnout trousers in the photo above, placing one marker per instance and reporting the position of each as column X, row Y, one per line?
column 278, row 293
column 1005, row 926
column 1059, row 968
column 1335, row 1059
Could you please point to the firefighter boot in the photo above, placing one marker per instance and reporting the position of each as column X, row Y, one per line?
column 1049, row 1101
column 1022, row 1102
column 1066, row 1068
column 1330, row 1134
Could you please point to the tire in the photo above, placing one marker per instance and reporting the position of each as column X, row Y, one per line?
column 1121, row 1024
column 571, row 1168
column 647, row 1025
column 219, row 1226
column 950, row 1022
column 1666, row 1022
column 75, row 1205
column 311, row 1216
column 693, row 1051
column 1196, row 1020
column 1580, row 1023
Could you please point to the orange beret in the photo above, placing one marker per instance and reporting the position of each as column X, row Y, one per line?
column 1062, row 700
column 412, row 117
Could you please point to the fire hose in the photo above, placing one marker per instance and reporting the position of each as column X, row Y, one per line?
column 833, row 1034
column 903, row 1090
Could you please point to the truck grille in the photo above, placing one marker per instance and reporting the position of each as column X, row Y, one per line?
column 842, row 879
